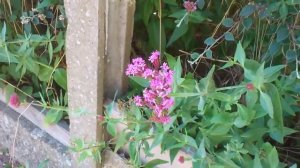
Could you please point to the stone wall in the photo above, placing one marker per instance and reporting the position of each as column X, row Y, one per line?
column 32, row 145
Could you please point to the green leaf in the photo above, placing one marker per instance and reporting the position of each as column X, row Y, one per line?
column 240, row 54
column 272, row 73
column 247, row 10
column 282, row 34
column 147, row 11
column 209, row 41
column 266, row 103
column 157, row 140
column 154, row 163
column 229, row 36
column 200, row 4
column 196, row 17
column 141, row 81
column 247, row 23
column 292, row 2
column 177, row 33
column 227, row 22
column 50, row 51
column 207, row 84
column 3, row 33
column 45, row 73
column 245, row 116
column 121, row 140
column 178, row 71
column 283, row 11
column 53, row 116
column 111, row 128
column 171, row 61
column 224, row 97
column 257, row 163
column 273, row 158
column 208, row 53
column 60, row 77
column 201, row 150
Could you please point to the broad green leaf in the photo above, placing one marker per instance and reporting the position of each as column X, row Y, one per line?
column 141, row 81
column 60, row 77
column 257, row 163
column 154, row 163
column 147, row 11
column 272, row 73
column 178, row 72
column 121, row 140
column 207, row 84
column 53, row 116
column 251, row 98
column 111, row 128
column 266, row 103
column 224, row 97
column 282, row 34
column 227, row 22
column 245, row 116
column 201, row 150
column 273, row 158
column 240, row 54
column 247, row 10
column 171, row 60
column 283, row 11
column 196, row 17
column 157, row 140
column 177, row 33
column 45, row 73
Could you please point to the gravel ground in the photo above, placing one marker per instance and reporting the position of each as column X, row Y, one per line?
column 5, row 158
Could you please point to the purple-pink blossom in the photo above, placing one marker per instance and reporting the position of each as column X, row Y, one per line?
column 156, row 96
column 190, row 6
column 154, row 59
column 138, row 101
column 14, row 100
column 136, row 68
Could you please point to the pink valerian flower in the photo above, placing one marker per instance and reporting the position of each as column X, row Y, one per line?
column 154, row 59
column 250, row 86
column 14, row 100
column 190, row 6
column 156, row 96
column 181, row 159
column 100, row 118
column 148, row 73
column 138, row 101
column 136, row 68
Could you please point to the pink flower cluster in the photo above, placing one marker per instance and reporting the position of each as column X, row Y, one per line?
column 14, row 100
column 190, row 6
column 156, row 96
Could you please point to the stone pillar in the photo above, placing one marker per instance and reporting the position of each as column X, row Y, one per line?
column 120, row 20
column 85, row 50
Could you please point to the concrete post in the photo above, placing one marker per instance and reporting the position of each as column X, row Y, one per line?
column 120, row 20
column 85, row 49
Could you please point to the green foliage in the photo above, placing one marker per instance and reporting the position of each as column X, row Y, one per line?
column 32, row 52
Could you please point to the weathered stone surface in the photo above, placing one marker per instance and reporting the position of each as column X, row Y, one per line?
column 85, row 53
column 112, row 160
column 120, row 20
column 32, row 145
